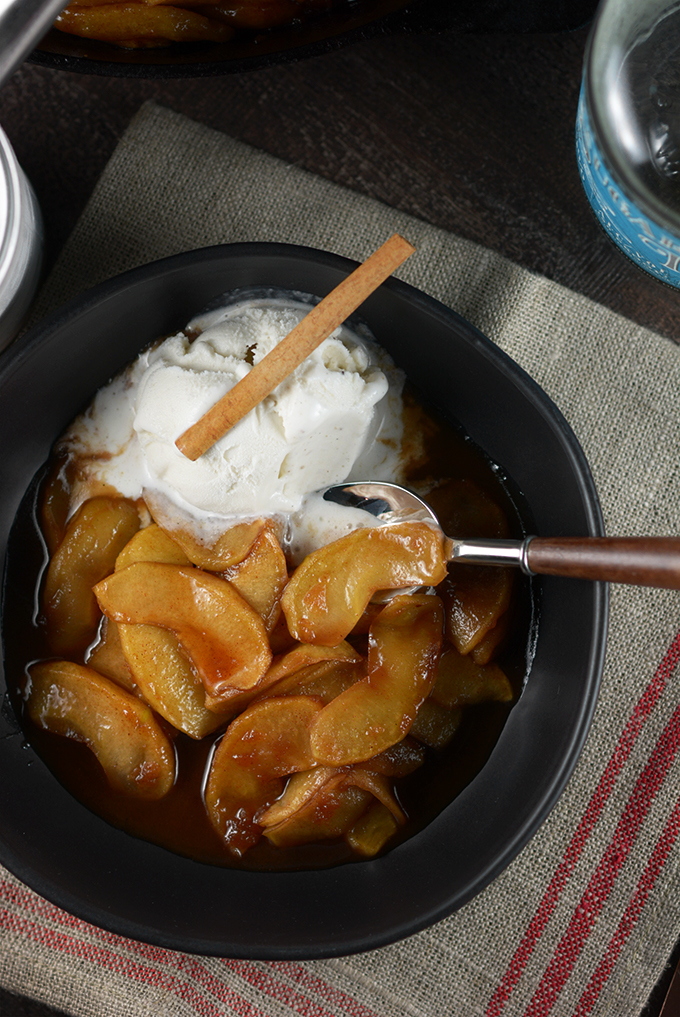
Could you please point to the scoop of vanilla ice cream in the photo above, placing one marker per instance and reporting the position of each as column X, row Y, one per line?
column 308, row 433
column 338, row 416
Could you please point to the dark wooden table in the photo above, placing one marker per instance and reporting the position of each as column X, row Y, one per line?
column 474, row 133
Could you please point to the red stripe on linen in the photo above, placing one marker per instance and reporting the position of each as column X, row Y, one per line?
column 262, row 979
column 602, row 880
column 190, row 966
column 600, row 796
column 329, row 992
column 114, row 962
column 631, row 914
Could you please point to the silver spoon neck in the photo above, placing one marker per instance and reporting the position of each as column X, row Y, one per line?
column 490, row 552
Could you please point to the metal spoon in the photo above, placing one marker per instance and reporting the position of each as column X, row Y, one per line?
column 638, row 561
column 22, row 25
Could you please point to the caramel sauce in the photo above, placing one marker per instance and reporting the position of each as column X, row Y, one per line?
column 179, row 821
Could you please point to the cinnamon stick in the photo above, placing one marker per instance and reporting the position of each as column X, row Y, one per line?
column 316, row 326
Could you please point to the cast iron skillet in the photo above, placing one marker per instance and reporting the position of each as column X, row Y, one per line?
column 349, row 22
column 137, row 889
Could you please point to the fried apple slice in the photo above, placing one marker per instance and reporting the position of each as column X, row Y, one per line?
column 153, row 655
column 261, row 576
column 324, row 804
column 375, row 713
column 475, row 597
column 74, row 701
column 262, row 745
column 305, row 655
column 166, row 678
column 325, row 680
column 222, row 635
column 466, row 512
column 252, row 14
column 435, row 725
column 299, row 791
column 134, row 24
column 211, row 555
column 372, row 830
column 151, row 544
column 55, row 503
column 284, row 670
column 461, row 682
column 107, row 656
column 229, row 549
column 95, row 535
column 330, row 590
column 378, row 785
column 326, row 816
column 489, row 645
column 399, row 760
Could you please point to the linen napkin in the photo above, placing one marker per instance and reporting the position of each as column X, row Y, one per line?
column 583, row 920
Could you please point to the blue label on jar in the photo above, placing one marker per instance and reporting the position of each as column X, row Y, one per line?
column 638, row 236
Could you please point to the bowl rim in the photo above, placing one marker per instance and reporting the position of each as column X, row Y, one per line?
column 17, row 358
column 286, row 44
column 432, row 17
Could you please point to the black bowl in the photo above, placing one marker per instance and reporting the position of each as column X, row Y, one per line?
column 348, row 22
column 75, row 859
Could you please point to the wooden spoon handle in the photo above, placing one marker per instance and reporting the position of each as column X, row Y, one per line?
column 640, row 561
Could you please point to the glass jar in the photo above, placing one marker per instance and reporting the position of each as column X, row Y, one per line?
column 21, row 243
column 628, row 130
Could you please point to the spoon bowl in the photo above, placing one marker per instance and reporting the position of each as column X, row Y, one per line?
column 637, row 561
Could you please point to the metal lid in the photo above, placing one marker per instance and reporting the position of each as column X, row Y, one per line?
column 618, row 26
column 10, row 217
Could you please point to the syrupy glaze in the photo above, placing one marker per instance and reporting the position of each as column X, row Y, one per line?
column 179, row 821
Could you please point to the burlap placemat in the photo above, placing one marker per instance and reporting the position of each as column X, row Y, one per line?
column 584, row 919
